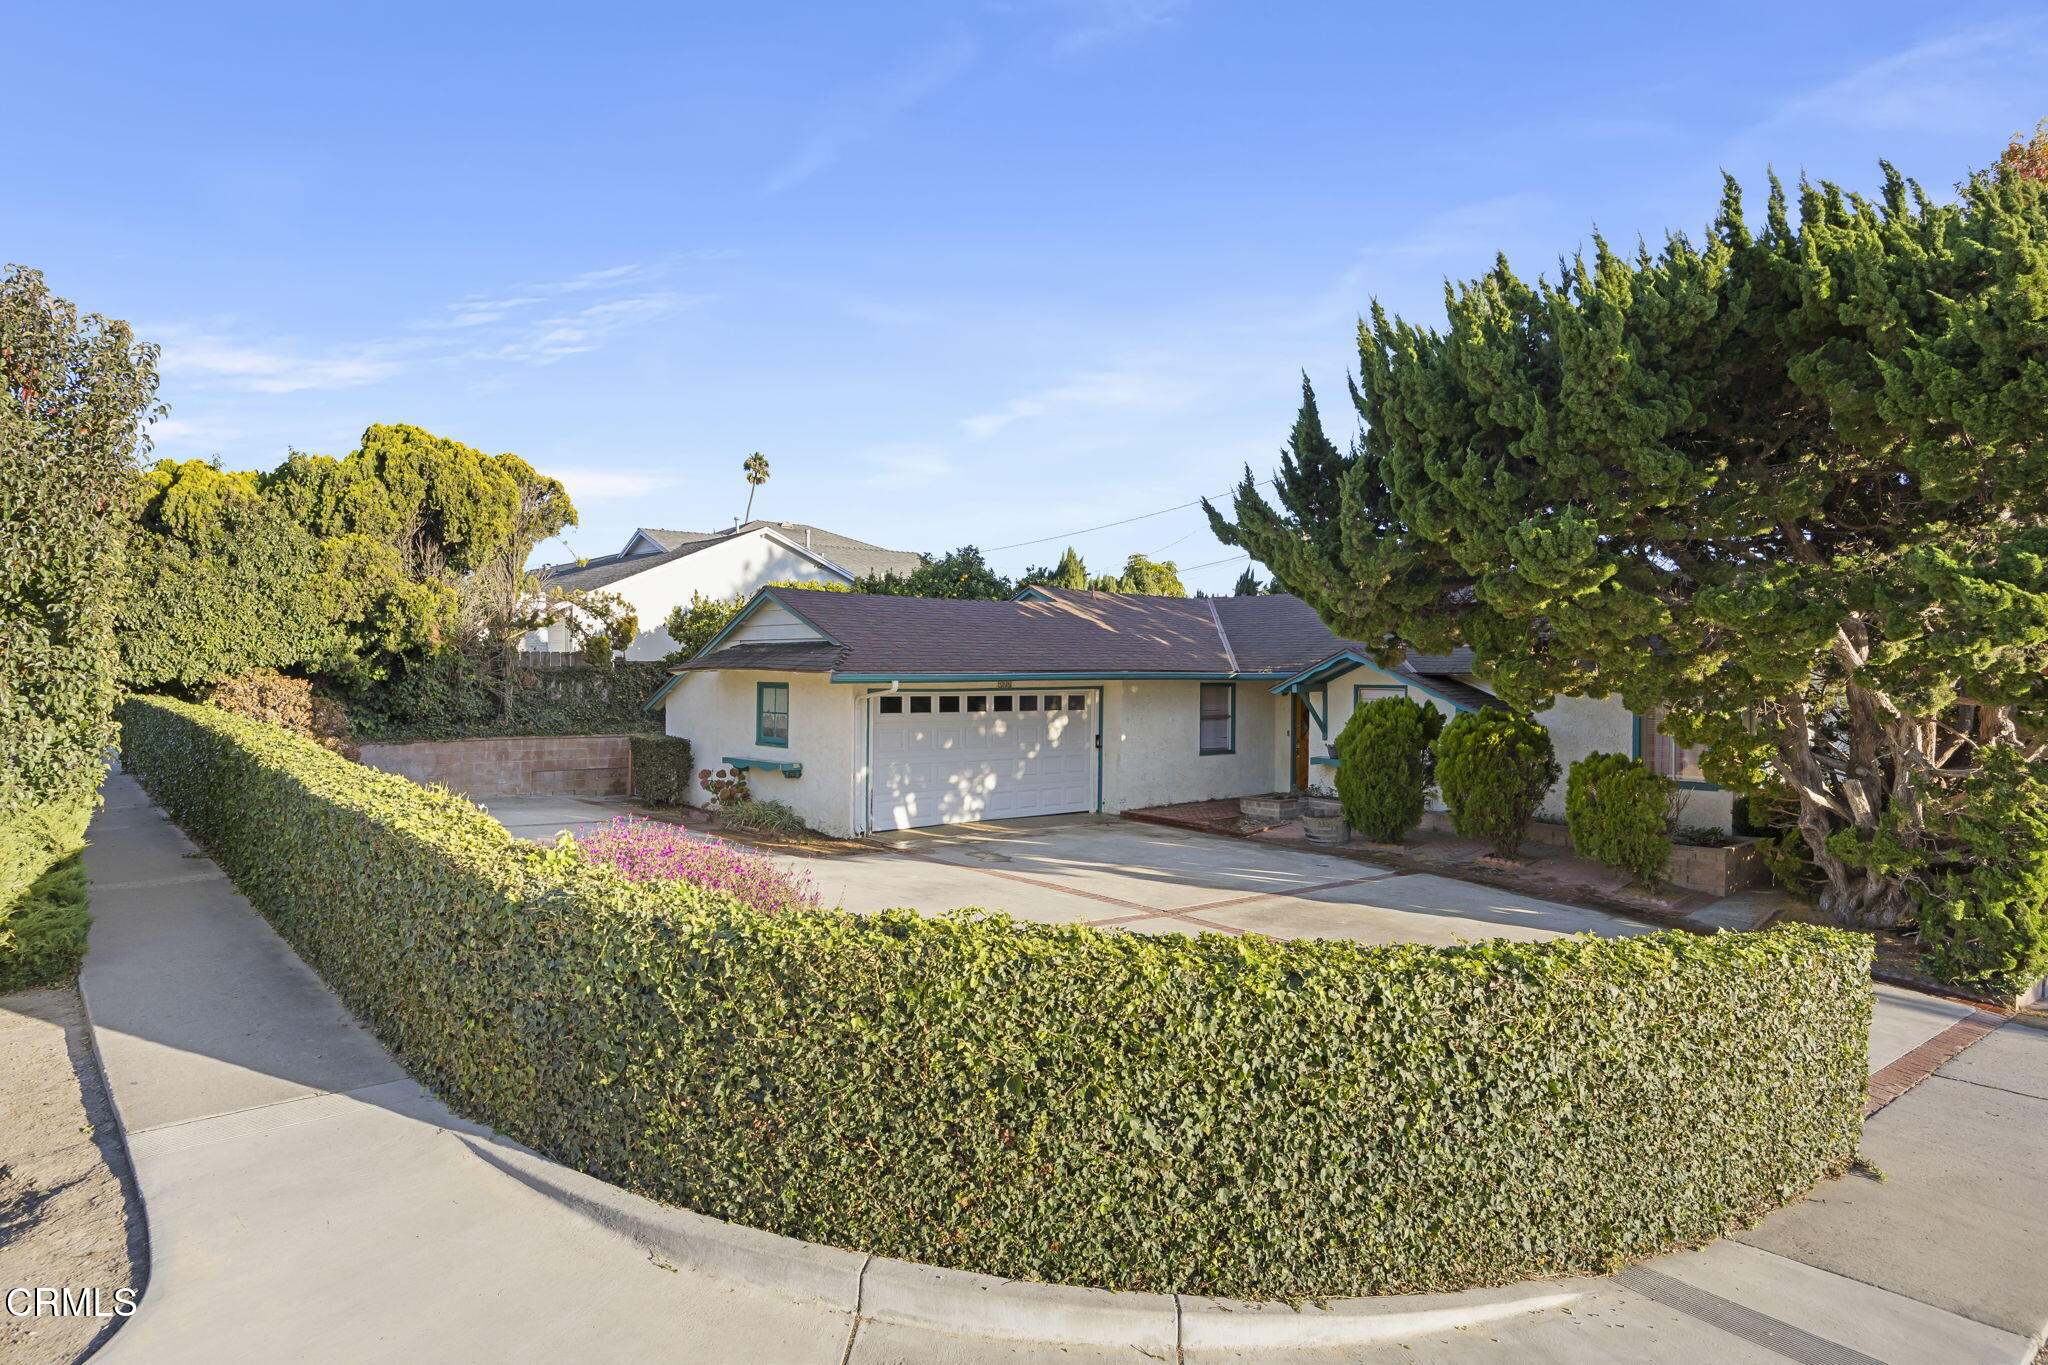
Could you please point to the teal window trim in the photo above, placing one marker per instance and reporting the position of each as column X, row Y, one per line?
column 1202, row 696
column 1635, row 751
column 764, row 692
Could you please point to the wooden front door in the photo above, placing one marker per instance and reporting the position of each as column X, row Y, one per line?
column 1299, row 768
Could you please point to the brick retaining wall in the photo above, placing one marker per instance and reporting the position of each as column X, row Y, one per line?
column 536, row 765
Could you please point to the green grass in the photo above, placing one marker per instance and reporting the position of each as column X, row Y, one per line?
column 43, row 918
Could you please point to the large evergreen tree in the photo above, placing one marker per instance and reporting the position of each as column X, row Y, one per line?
column 1789, row 480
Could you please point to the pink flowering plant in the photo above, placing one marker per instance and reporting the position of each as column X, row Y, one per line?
column 648, row 850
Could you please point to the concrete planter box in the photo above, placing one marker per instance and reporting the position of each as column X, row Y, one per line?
column 1274, row 810
column 1716, row 871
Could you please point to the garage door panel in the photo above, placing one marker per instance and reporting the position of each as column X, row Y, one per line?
column 977, row 763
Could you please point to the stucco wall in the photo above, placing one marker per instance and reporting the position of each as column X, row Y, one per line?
column 1151, row 741
column 538, row 765
column 714, row 710
column 1152, row 745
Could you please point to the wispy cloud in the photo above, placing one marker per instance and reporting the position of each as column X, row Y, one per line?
column 907, row 465
column 1978, row 80
column 542, row 340
column 1101, row 22
column 860, row 113
column 213, row 354
column 530, row 324
column 609, row 485
column 1128, row 389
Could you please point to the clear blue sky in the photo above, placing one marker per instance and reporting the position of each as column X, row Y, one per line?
column 965, row 272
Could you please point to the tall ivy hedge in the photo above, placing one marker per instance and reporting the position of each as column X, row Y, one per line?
column 75, row 393
column 1233, row 1116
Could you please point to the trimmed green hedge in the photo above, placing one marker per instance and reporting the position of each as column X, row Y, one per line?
column 662, row 770
column 43, row 918
column 1234, row 1116
column 448, row 698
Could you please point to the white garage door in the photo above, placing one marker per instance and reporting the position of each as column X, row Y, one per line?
column 940, row 758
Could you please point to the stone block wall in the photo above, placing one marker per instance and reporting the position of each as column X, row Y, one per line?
column 535, row 765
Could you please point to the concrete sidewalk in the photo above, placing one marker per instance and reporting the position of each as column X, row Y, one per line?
column 308, row 1202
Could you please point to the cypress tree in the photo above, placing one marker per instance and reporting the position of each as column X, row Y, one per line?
column 1789, row 480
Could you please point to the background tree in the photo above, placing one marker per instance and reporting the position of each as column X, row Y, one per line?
column 1160, row 579
column 756, row 469
column 1790, row 481
column 1383, row 767
column 1493, row 768
column 1070, row 572
column 961, row 573
column 222, row 581
column 1247, row 584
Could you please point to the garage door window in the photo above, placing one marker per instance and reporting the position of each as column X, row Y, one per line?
column 1219, row 718
column 771, row 715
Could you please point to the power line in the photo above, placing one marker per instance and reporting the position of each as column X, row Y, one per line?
column 1142, row 516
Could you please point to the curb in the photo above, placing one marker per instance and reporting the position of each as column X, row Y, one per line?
column 904, row 1293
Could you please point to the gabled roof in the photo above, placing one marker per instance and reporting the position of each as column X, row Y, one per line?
column 857, row 557
column 1056, row 632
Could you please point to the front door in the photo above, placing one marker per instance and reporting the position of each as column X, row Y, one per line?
column 1299, row 768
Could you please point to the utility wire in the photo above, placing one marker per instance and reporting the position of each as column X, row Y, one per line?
column 1142, row 516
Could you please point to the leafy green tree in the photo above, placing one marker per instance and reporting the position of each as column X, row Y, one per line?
column 1160, row 579
column 76, row 395
column 1311, row 475
column 1105, row 582
column 961, row 573
column 1247, row 585
column 1383, row 766
column 1789, row 480
column 1982, row 912
column 221, row 582
column 1070, row 572
column 1619, row 813
column 1493, row 768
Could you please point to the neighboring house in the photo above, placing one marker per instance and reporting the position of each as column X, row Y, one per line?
column 658, row 571
column 867, row 713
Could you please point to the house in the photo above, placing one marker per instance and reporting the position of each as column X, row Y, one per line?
column 658, row 571
column 866, row 712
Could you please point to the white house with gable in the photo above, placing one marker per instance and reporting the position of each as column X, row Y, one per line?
column 659, row 570
column 872, row 712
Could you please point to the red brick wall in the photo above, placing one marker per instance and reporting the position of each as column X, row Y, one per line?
column 540, row 765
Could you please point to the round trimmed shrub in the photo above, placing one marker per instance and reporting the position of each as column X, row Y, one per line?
column 1493, row 768
column 1619, row 813
column 970, row 1091
column 1383, row 766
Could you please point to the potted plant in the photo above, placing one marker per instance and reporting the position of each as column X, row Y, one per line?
column 1274, row 808
column 1322, row 817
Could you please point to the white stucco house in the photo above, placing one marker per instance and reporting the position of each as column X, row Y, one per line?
column 869, row 712
column 659, row 570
